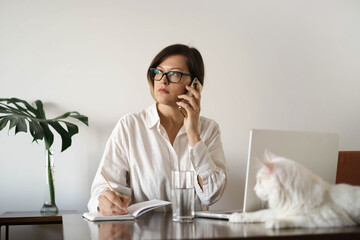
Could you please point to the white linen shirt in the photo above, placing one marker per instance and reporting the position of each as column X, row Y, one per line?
column 138, row 160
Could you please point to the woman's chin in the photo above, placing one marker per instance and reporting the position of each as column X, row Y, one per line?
column 165, row 101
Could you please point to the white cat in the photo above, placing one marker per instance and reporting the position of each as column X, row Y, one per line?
column 297, row 198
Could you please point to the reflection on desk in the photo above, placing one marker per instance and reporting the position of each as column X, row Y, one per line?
column 156, row 225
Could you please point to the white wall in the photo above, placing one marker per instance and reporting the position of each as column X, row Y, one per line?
column 269, row 64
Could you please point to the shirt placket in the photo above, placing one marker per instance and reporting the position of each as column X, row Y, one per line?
column 180, row 148
column 172, row 156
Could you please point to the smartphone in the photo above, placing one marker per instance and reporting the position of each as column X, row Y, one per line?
column 193, row 84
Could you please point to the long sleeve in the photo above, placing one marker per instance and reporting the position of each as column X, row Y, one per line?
column 114, row 166
column 209, row 163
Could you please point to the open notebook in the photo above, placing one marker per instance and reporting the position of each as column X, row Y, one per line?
column 317, row 151
column 134, row 210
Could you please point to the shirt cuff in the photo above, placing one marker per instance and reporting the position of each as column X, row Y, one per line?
column 201, row 160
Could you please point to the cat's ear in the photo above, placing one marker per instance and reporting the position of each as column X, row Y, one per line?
column 268, row 165
column 270, row 156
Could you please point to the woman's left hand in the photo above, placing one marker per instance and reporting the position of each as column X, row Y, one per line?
column 191, row 113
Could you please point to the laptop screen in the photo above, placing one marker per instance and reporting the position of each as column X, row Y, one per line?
column 317, row 151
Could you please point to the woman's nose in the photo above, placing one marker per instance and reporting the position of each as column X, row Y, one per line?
column 165, row 79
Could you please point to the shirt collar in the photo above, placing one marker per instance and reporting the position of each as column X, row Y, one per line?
column 152, row 116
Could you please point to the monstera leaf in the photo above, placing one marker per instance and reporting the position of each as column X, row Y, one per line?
column 20, row 114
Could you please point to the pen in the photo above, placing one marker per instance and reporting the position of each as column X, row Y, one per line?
column 110, row 186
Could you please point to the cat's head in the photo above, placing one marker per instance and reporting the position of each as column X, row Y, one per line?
column 281, row 180
column 276, row 176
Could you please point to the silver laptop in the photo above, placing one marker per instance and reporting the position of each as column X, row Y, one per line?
column 318, row 151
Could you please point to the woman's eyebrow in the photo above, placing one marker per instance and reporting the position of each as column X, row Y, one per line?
column 172, row 68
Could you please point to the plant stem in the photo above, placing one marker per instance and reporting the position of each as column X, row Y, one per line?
column 50, row 177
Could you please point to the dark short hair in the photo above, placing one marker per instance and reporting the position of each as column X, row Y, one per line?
column 193, row 58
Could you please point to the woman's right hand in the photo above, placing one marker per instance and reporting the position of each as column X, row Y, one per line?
column 112, row 204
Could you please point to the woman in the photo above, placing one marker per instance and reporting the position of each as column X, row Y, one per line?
column 145, row 147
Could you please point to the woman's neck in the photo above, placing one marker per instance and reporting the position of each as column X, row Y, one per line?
column 171, row 119
column 170, row 115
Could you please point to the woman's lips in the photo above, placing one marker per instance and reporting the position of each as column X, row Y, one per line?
column 163, row 90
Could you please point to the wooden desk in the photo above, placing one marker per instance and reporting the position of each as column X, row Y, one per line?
column 155, row 225
column 29, row 218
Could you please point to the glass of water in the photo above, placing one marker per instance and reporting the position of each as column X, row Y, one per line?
column 183, row 195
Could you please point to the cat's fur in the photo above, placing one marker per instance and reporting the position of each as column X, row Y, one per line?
column 297, row 198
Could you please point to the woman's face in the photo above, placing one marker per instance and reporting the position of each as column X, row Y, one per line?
column 165, row 91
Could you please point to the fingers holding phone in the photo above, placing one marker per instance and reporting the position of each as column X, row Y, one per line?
column 189, row 106
column 195, row 85
column 191, row 98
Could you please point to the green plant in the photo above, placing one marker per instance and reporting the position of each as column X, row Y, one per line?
column 18, row 113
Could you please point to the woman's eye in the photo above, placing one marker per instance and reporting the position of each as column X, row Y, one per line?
column 175, row 74
column 157, row 73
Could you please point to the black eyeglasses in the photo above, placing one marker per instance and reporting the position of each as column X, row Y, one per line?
column 172, row 76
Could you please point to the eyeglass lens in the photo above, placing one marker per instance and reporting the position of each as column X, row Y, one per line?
column 172, row 76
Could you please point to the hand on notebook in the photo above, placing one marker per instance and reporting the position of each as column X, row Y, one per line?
column 112, row 204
